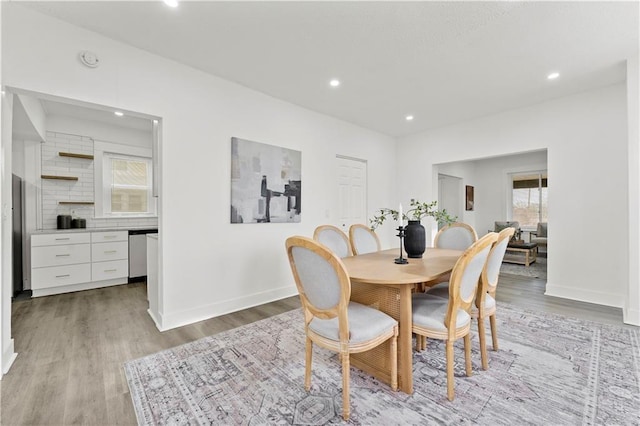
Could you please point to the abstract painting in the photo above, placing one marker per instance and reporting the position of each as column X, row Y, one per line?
column 265, row 183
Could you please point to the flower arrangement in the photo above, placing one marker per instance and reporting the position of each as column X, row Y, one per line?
column 417, row 211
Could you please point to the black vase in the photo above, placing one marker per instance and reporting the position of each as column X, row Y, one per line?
column 414, row 239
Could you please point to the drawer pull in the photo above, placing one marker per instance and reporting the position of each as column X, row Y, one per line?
column 62, row 239
column 62, row 255
column 110, row 251
column 63, row 276
column 110, row 270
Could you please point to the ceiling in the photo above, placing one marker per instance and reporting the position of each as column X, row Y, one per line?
column 101, row 115
column 442, row 62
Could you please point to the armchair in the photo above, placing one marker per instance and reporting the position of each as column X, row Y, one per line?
column 539, row 236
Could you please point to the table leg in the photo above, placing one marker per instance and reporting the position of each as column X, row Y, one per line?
column 405, row 354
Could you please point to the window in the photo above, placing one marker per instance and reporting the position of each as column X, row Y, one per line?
column 127, row 185
column 529, row 198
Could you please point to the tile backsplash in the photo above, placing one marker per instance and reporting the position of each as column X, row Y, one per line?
column 54, row 191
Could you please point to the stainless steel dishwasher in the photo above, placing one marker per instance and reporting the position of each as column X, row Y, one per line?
column 138, row 253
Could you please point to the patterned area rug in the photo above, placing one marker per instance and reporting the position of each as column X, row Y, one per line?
column 538, row 269
column 549, row 370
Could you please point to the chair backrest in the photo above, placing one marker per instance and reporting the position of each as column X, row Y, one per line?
column 363, row 239
column 334, row 238
column 457, row 236
column 542, row 229
column 491, row 272
column 499, row 226
column 465, row 277
column 322, row 281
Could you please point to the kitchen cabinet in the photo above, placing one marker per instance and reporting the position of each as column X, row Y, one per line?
column 65, row 262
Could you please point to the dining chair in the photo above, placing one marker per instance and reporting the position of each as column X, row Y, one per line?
column 333, row 237
column 449, row 319
column 456, row 236
column 485, row 301
column 363, row 239
column 331, row 320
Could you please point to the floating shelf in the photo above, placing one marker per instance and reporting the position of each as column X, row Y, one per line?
column 88, row 203
column 58, row 177
column 74, row 155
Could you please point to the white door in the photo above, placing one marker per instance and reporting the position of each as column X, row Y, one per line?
column 450, row 195
column 352, row 192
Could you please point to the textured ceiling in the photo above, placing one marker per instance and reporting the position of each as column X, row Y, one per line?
column 443, row 62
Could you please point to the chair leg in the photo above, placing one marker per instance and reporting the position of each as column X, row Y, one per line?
column 494, row 332
column 467, row 354
column 394, row 362
column 483, row 343
column 307, row 367
column 345, row 386
column 449, row 349
column 419, row 342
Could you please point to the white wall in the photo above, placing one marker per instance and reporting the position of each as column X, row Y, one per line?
column 586, row 139
column 209, row 266
column 632, row 306
column 100, row 131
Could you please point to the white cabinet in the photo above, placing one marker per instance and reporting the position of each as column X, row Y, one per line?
column 101, row 252
column 57, row 276
column 59, row 260
column 109, row 255
column 110, row 270
column 65, row 262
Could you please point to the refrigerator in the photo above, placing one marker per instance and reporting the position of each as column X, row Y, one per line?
column 16, row 246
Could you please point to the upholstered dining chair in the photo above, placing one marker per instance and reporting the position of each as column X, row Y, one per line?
column 363, row 239
column 333, row 237
column 457, row 236
column 485, row 302
column 331, row 320
column 449, row 319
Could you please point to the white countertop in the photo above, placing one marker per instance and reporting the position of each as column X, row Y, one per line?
column 72, row 230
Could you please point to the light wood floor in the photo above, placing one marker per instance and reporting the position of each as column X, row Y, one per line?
column 71, row 348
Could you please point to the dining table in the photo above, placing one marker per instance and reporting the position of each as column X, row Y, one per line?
column 379, row 282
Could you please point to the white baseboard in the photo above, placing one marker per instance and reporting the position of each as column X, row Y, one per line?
column 77, row 287
column 157, row 319
column 178, row 319
column 582, row 295
column 631, row 316
column 8, row 357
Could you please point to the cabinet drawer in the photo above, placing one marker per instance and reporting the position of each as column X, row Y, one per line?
column 57, row 276
column 108, row 270
column 107, row 237
column 60, row 239
column 109, row 251
column 44, row 256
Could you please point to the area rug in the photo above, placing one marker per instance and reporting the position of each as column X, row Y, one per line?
column 550, row 370
column 537, row 269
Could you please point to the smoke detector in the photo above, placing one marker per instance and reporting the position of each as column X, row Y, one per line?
column 89, row 59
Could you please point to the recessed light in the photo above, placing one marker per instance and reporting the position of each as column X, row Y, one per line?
column 409, row 117
column 119, row 114
column 171, row 3
column 334, row 83
column 553, row 76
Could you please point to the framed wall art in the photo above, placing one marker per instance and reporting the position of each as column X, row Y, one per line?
column 468, row 198
column 266, row 184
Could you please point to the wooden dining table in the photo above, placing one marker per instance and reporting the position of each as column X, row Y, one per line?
column 379, row 282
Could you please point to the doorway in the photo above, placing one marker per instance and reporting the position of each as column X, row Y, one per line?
column 351, row 176
column 33, row 120
column 450, row 195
